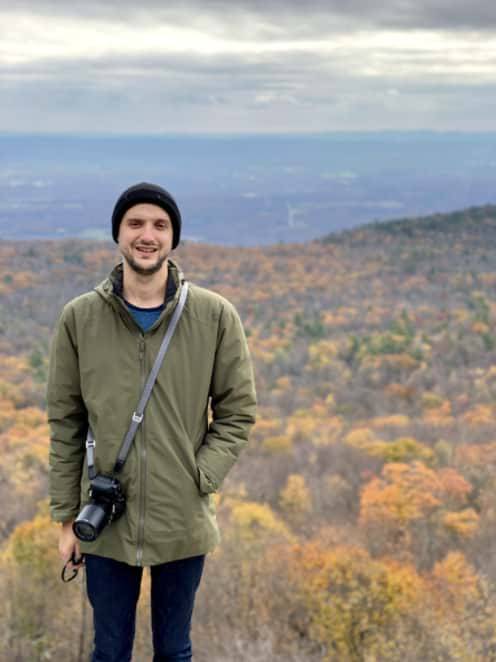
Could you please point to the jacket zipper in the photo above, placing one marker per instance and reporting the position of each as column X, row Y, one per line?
column 142, row 491
column 141, row 520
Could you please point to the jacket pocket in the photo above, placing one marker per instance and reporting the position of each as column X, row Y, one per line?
column 205, row 485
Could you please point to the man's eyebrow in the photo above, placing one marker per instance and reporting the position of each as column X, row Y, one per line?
column 158, row 218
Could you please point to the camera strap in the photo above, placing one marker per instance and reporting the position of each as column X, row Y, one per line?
column 137, row 416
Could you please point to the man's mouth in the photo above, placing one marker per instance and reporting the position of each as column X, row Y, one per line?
column 146, row 250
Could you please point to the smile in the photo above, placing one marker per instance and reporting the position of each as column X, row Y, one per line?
column 145, row 249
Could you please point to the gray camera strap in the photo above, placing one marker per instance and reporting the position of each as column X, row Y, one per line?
column 137, row 416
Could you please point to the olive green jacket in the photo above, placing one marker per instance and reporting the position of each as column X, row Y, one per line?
column 99, row 361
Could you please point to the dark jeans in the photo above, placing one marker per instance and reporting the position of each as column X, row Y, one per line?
column 113, row 590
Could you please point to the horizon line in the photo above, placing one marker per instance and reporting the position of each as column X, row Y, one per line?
column 249, row 134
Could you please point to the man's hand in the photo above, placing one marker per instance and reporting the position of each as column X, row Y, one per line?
column 69, row 545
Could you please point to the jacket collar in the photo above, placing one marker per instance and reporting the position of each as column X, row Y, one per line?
column 116, row 280
column 110, row 289
column 112, row 286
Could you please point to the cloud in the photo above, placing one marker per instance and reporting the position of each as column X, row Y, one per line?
column 266, row 92
column 309, row 18
column 214, row 66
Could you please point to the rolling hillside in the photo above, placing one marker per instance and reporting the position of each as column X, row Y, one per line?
column 360, row 520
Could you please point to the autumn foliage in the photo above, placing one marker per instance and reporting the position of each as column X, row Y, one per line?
column 359, row 525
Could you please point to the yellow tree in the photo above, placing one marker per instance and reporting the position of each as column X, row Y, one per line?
column 355, row 605
column 408, row 509
column 295, row 499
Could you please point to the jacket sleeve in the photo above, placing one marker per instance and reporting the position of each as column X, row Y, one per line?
column 233, row 402
column 67, row 418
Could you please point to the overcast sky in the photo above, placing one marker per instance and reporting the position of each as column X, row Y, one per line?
column 212, row 66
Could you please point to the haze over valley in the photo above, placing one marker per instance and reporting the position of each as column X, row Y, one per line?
column 242, row 190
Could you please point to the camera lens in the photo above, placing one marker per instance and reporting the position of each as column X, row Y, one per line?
column 84, row 531
column 90, row 522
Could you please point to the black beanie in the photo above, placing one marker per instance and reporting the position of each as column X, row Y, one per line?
column 152, row 194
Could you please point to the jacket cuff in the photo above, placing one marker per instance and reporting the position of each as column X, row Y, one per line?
column 63, row 515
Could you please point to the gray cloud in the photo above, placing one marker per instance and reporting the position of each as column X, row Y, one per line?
column 282, row 92
column 302, row 19
column 445, row 84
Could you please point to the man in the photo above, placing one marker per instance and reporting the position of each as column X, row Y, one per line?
column 104, row 346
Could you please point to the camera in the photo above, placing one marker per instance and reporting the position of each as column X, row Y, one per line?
column 107, row 503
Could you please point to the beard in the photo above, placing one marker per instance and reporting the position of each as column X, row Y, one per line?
column 148, row 270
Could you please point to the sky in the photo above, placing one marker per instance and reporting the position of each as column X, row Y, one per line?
column 278, row 66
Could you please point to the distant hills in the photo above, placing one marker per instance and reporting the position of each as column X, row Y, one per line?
column 448, row 223
column 251, row 190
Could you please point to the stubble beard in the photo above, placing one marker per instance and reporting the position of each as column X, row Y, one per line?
column 145, row 271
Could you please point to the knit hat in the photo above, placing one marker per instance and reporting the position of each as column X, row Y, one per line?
column 152, row 194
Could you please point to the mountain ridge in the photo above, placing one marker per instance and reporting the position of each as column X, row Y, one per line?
column 413, row 225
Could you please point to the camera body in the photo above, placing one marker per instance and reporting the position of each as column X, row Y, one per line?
column 107, row 504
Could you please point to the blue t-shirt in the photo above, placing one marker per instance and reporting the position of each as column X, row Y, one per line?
column 145, row 317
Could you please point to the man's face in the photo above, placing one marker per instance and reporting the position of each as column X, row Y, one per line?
column 145, row 238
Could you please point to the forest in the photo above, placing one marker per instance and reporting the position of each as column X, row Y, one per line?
column 358, row 524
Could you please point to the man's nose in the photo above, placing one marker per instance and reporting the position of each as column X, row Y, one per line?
column 147, row 233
